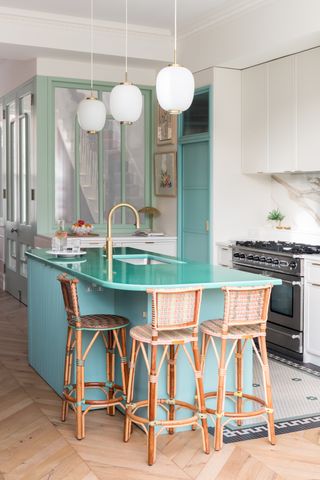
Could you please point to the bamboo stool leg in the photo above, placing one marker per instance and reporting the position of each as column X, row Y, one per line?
column 152, row 407
column 220, row 396
column 239, row 367
column 124, row 361
column 267, row 381
column 79, row 386
column 127, row 421
column 172, row 384
column 68, row 353
column 204, row 342
column 110, row 370
column 201, row 399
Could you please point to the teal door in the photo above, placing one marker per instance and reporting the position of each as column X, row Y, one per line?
column 194, row 180
column 195, row 201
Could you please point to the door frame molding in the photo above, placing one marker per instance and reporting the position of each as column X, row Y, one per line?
column 183, row 140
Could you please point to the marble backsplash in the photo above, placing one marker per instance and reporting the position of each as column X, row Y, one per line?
column 297, row 195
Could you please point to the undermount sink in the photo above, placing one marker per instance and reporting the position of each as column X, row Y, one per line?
column 135, row 260
column 142, row 260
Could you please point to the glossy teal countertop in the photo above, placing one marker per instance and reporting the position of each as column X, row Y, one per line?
column 166, row 272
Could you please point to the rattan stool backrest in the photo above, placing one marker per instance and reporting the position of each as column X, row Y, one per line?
column 70, row 295
column 246, row 305
column 175, row 309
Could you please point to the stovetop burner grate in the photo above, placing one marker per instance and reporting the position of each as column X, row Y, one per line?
column 281, row 247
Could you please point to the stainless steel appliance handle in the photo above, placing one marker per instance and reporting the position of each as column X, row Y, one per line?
column 295, row 336
column 299, row 284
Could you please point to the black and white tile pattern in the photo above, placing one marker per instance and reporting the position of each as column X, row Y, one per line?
column 296, row 398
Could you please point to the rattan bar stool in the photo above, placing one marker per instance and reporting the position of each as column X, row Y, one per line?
column 112, row 329
column 175, row 317
column 245, row 317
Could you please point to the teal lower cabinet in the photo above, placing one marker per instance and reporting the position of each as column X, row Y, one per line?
column 127, row 296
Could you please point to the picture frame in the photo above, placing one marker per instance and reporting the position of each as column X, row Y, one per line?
column 166, row 127
column 165, row 174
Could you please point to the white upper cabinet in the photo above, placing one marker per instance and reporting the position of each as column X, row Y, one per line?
column 254, row 120
column 308, row 109
column 281, row 115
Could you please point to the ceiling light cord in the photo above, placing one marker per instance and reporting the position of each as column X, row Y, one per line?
column 91, row 47
column 126, row 48
column 175, row 33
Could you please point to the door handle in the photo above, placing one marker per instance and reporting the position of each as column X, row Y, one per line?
column 14, row 230
column 207, row 225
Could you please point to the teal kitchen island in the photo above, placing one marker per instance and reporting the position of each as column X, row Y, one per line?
column 134, row 271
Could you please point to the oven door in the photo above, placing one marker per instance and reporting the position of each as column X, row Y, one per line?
column 286, row 303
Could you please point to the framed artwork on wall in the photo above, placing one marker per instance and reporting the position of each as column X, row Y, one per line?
column 166, row 127
column 165, row 174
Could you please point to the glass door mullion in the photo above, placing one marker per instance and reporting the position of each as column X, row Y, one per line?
column 23, row 169
column 123, row 170
column 77, row 169
column 100, row 178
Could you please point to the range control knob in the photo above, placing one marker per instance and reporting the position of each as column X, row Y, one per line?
column 275, row 261
column 293, row 265
column 256, row 258
column 262, row 259
column 242, row 255
column 269, row 260
column 236, row 255
column 250, row 257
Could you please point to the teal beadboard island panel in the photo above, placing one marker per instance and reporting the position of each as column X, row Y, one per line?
column 126, row 296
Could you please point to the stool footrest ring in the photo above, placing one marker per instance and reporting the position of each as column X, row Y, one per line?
column 193, row 420
column 239, row 415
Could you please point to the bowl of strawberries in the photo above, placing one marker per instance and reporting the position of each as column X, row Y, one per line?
column 81, row 227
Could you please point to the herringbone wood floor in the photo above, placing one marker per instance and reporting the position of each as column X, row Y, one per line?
column 34, row 444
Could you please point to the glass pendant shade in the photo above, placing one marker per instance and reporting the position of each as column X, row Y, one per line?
column 91, row 115
column 126, row 103
column 175, row 88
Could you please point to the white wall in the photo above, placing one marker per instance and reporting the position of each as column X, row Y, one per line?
column 269, row 30
column 240, row 202
column 55, row 67
column 14, row 73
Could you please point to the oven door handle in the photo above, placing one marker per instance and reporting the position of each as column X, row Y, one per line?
column 293, row 283
column 299, row 284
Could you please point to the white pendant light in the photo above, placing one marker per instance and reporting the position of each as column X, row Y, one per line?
column 91, row 111
column 126, row 98
column 175, row 84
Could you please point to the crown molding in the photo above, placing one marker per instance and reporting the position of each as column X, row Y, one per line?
column 221, row 15
column 44, row 19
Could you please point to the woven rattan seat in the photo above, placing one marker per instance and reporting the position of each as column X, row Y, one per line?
column 143, row 333
column 175, row 318
column 214, row 328
column 112, row 332
column 244, row 321
column 100, row 322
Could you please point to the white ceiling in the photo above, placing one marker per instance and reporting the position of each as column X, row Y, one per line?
column 151, row 13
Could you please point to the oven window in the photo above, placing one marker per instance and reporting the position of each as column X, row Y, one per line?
column 282, row 300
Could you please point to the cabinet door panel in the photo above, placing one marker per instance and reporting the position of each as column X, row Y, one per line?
column 308, row 78
column 254, row 119
column 282, row 115
column 312, row 321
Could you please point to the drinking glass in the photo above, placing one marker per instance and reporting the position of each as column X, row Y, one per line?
column 76, row 245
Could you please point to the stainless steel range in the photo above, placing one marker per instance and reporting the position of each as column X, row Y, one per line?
column 280, row 260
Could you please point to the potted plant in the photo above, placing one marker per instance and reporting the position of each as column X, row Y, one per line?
column 276, row 216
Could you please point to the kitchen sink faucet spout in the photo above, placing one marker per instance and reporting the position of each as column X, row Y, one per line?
column 109, row 234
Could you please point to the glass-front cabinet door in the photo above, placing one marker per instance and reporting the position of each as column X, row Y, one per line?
column 19, row 192
column 95, row 172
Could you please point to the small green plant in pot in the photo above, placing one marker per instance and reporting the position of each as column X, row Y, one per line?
column 276, row 216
